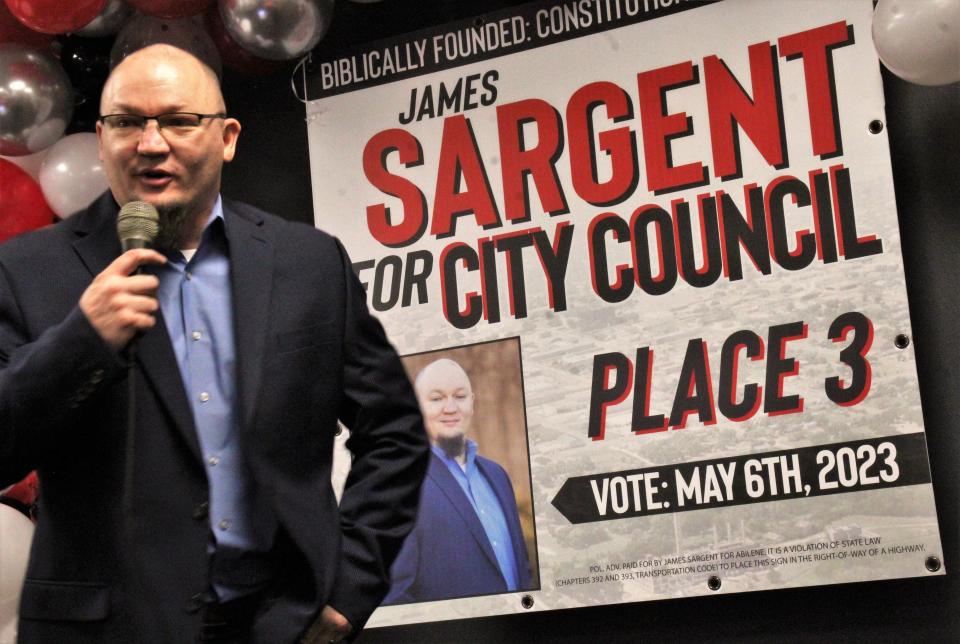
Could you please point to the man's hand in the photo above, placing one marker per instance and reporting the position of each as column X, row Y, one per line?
column 330, row 627
column 119, row 304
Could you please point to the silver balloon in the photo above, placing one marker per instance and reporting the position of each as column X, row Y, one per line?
column 188, row 34
column 277, row 29
column 36, row 100
column 111, row 18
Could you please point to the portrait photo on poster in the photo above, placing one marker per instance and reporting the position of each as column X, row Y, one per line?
column 475, row 533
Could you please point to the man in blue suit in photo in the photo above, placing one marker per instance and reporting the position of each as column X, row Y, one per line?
column 467, row 540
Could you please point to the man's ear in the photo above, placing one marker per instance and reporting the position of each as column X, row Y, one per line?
column 100, row 141
column 231, row 132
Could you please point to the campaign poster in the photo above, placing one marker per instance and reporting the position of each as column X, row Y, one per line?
column 663, row 234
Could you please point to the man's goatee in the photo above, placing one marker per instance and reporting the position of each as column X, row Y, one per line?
column 173, row 221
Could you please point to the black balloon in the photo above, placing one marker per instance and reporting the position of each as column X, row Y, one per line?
column 86, row 110
column 87, row 63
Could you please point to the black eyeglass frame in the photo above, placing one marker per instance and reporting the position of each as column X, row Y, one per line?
column 218, row 115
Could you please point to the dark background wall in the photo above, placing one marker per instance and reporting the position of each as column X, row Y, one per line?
column 272, row 171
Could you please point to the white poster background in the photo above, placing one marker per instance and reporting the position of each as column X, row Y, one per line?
column 756, row 540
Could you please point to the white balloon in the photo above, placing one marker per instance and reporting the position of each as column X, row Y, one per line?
column 71, row 175
column 919, row 40
column 8, row 633
column 16, row 533
column 29, row 163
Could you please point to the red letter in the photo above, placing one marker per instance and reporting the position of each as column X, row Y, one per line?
column 516, row 162
column 618, row 143
column 814, row 47
column 379, row 219
column 460, row 159
column 729, row 107
column 659, row 128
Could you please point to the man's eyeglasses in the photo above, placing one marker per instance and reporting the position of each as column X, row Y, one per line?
column 171, row 123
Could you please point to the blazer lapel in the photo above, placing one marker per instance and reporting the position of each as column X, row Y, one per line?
column 440, row 475
column 97, row 243
column 154, row 352
column 97, row 246
column 251, row 277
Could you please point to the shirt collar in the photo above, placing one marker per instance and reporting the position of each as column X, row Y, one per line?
column 210, row 229
column 216, row 212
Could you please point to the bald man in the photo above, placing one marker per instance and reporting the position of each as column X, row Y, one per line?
column 201, row 383
column 467, row 540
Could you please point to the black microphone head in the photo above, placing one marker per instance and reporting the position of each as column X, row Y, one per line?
column 137, row 225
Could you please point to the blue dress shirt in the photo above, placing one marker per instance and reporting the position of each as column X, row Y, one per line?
column 197, row 305
column 487, row 508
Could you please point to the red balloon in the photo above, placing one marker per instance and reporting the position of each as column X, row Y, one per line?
column 232, row 54
column 12, row 30
column 22, row 206
column 55, row 16
column 24, row 492
column 170, row 8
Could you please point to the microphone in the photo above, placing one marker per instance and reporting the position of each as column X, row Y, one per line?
column 137, row 225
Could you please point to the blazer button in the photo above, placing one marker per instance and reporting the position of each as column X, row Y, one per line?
column 96, row 376
column 201, row 510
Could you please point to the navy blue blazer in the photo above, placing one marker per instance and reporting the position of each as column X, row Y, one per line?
column 448, row 553
column 308, row 354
